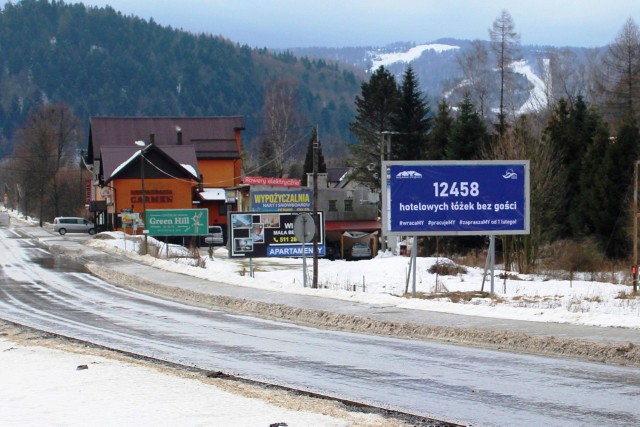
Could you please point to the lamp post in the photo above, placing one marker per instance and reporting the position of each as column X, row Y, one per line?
column 144, row 202
column 383, row 138
column 144, row 199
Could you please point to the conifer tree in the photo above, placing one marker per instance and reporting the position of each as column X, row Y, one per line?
column 441, row 130
column 412, row 120
column 468, row 133
column 570, row 132
column 375, row 107
column 612, row 227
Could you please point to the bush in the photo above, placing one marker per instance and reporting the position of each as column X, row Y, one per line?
column 446, row 269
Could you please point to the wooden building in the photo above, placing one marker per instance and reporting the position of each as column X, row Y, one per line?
column 176, row 162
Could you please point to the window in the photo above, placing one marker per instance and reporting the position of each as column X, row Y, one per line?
column 348, row 205
column 333, row 206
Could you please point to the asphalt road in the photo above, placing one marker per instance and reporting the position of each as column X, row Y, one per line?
column 471, row 385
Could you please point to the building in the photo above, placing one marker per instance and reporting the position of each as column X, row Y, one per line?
column 351, row 211
column 141, row 163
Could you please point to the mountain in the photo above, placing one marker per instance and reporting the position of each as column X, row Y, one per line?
column 102, row 63
column 438, row 69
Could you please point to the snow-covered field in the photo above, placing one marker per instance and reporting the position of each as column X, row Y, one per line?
column 78, row 386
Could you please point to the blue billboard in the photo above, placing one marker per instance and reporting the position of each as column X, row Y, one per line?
column 455, row 197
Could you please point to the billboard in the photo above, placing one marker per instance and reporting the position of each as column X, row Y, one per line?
column 293, row 199
column 177, row 222
column 455, row 197
column 268, row 234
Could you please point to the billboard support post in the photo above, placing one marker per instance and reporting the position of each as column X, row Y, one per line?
column 414, row 255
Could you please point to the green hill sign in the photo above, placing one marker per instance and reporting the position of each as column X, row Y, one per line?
column 177, row 222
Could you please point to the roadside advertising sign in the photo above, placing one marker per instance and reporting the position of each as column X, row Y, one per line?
column 281, row 200
column 455, row 197
column 177, row 222
column 269, row 234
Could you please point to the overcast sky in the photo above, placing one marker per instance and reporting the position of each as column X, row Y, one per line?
column 339, row 23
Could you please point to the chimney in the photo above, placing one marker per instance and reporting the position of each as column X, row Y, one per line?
column 152, row 139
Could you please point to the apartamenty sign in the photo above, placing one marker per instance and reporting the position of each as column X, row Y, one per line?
column 177, row 222
column 259, row 235
column 455, row 197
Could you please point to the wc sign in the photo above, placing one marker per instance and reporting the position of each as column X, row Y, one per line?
column 455, row 198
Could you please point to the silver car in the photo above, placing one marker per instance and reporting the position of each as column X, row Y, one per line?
column 215, row 236
column 359, row 251
column 71, row 224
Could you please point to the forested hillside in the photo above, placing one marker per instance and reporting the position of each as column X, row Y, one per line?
column 101, row 62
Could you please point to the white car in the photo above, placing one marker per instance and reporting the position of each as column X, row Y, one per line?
column 359, row 251
column 72, row 224
column 215, row 236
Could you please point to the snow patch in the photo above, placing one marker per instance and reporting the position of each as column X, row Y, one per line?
column 407, row 56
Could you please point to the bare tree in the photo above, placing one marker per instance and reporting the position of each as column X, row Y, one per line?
column 505, row 44
column 566, row 77
column 47, row 144
column 281, row 123
column 477, row 70
column 524, row 141
column 620, row 77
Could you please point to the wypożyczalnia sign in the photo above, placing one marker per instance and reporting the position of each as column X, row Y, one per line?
column 177, row 222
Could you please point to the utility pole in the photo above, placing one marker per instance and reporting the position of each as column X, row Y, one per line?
column 634, row 269
column 316, row 139
column 383, row 245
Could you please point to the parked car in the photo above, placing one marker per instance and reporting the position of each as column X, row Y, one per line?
column 359, row 251
column 72, row 224
column 215, row 236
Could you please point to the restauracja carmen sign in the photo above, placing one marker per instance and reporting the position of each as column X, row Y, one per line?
column 152, row 196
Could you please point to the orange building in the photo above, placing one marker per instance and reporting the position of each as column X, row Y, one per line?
column 176, row 163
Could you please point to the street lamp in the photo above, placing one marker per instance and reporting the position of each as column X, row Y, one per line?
column 383, row 138
column 144, row 199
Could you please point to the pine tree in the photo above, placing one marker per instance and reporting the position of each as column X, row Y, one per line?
column 375, row 108
column 618, row 166
column 571, row 131
column 412, row 120
column 441, row 130
column 468, row 133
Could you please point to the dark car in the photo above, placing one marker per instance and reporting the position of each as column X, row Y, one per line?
column 332, row 251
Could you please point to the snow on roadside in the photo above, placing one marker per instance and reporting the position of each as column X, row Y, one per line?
column 383, row 280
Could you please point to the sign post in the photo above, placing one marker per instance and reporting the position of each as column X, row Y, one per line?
column 304, row 228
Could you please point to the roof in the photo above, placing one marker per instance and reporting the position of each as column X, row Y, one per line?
column 355, row 225
column 213, row 194
column 212, row 137
column 336, row 174
column 117, row 159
